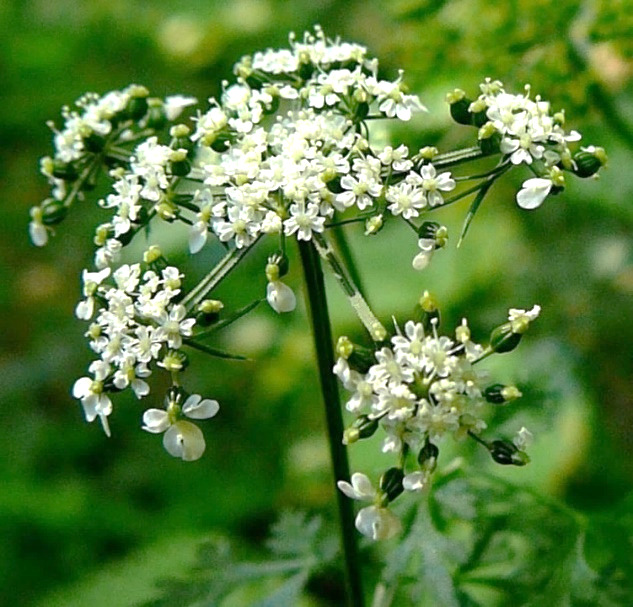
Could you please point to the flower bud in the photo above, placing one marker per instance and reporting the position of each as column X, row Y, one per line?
column 363, row 427
column 156, row 117
column 498, row 394
column 426, row 311
column 53, row 211
column 208, row 312
column 503, row 339
column 174, row 361
column 459, row 105
column 391, row 483
column 589, row 161
column 179, row 165
column 489, row 139
column 428, row 152
column 152, row 254
column 344, row 347
column 427, row 458
column 507, row 454
column 64, row 170
column 137, row 105
column 373, row 225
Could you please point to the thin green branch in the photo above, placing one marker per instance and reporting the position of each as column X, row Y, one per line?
column 215, row 276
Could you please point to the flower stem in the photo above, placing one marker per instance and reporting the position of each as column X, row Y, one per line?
column 322, row 332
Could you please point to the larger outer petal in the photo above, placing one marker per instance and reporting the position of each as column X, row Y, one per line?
column 184, row 440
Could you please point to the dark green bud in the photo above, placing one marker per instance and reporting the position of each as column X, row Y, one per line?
column 427, row 458
column 363, row 427
column 208, row 312
column 361, row 359
column 220, row 143
column 281, row 261
column 503, row 339
column 588, row 163
column 53, row 211
column 136, row 108
column 391, row 483
column 428, row 229
column 490, row 145
column 459, row 105
column 180, row 168
column 498, row 394
column 156, row 117
column 507, row 454
column 64, row 170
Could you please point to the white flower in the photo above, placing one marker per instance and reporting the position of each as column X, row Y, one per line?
column 432, row 182
column 93, row 399
column 360, row 488
column 378, row 523
column 533, row 192
column 280, row 297
column 174, row 327
column 304, row 220
column 423, row 258
column 85, row 308
column 182, row 438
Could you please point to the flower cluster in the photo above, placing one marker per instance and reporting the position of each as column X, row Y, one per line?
column 91, row 134
column 419, row 389
column 136, row 321
column 526, row 131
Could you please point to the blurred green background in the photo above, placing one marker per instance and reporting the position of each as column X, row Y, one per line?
column 86, row 520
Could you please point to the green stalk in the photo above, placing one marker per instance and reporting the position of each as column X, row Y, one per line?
column 322, row 333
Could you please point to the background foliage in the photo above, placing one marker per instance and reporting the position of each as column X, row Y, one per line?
column 87, row 520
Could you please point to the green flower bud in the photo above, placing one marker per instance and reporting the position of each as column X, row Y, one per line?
column 504, row 339
column 498, row 394
column 152, row 254
column 427, row 458
column 588, row 162
column 280, row 260
column 426, row 311
column 64, row 170
column 373, row 225
column 344, row 347
column 362, row 109
column 506, row 453
column 174, row 361
column 137, row 105
column 459, row 105
column 391, row 483
column 208, row 312
column 334, row 185
column 428, row 152
column 363, row 427
column 53, row 211
column 156, row 117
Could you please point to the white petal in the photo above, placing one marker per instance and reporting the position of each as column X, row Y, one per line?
column 533, row 193
column 81, row 387
column 347, row 489
column 184, row 440
column 416, row 481
column 280, row 297
column 38, row 233
column 377, row 523
column 195, row 408
column 197, row 237
column 363, row 487
column 155, row 421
